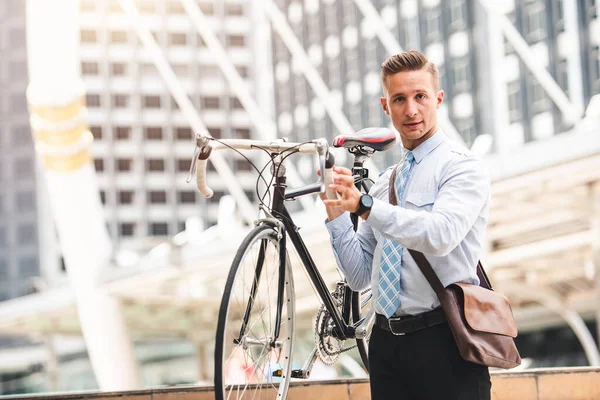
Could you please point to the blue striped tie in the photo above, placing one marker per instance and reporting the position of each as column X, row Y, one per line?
column 388, row 299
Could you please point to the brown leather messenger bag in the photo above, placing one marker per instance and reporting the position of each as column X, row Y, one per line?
column 480, row 319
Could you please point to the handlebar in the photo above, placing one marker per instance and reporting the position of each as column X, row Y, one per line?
column 205, row 145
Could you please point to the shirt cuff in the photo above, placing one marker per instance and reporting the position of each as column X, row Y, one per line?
column 339, row 225
column 380, row 214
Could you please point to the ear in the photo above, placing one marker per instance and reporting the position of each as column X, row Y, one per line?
column 440, row 98
column 384, row 105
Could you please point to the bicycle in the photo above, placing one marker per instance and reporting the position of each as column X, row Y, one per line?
column 256, row 322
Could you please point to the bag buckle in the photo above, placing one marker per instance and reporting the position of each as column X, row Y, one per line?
column 395, row 319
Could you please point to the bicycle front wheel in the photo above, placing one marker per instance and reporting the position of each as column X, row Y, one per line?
column 248, row 356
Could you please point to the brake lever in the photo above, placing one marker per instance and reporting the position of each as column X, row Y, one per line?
column 193, row 164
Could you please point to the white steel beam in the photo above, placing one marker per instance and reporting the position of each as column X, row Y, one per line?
column 264, row 125
column 571, row 317
column 311, row 74
column 515, row 255
column 247, row 210
column 570, row 41
column 554, row 91
column 595, row 208
column 393, row 47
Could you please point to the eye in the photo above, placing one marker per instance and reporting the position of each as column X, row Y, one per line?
column 399, row 99
column 420, row 96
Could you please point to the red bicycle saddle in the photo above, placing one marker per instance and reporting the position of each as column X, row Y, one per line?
column 378, row 139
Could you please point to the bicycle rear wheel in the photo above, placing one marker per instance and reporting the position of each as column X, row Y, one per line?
column 247, row 356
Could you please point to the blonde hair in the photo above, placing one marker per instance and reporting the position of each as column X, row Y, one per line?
column 409, row 61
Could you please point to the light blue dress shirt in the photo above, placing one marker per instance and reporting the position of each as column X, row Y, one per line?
column 443, row 213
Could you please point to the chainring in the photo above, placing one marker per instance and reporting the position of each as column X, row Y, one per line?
column 328, row 346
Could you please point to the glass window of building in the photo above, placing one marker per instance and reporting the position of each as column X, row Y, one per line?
column 157, row 196
column 241, row 133
column 126, row 229
column 236, row 103
column 16, row 38
column 126, row 196
column 26, row 234
column 147, row 6
column 88, row 6
column 215, row 132
column 124, row 164
column 18, row 103
column 242, row 70
column 236, row 40
column 119, row 37
column 159, row 228
column 243, row 165
column 183, row 133
column 175, row 7
column 88, row 36
column 186, row 197
column 153, row 132
column 28, row 267
column 21, row 135
column 3, row 270
column 206, row 7
column 103, row 197
column 181, row 70
column 152, row 101
column 234, row 9
column 120, row 101
column 118, row 69
column 99, row 164
column 89, row 68
column 25, row 201
column 211, row 103
column 155, row 165
column 535, row 20
column 513, row 91
column 177, row 39
column 96, row 131
column 183, row 165
column 123, row 132
column 149, row 69
column 23, row 168
column 17, row 70
column 92, row 100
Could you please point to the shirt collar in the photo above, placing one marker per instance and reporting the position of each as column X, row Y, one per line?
column 428, row 146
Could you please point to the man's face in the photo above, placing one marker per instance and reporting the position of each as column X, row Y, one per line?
column 411, row 100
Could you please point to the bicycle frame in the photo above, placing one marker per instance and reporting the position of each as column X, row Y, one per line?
column 343, row 328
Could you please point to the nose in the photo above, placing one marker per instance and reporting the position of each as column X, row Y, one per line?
column 411, row 109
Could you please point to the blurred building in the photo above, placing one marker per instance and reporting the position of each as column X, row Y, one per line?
column 19, row 250
column 143, row 143
column 489, row 89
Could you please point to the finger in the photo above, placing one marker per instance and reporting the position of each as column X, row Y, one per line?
column 342, row 170
column 344, row 179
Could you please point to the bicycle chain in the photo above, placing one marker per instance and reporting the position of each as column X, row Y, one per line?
column 325, row 354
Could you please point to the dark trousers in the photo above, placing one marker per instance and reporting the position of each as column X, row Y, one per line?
column 423, row 365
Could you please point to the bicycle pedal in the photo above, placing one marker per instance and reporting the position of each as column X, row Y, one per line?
column 300, row 374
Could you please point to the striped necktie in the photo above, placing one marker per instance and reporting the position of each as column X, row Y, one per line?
column 388, row 299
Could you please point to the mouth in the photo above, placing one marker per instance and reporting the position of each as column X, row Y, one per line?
column 412, row 124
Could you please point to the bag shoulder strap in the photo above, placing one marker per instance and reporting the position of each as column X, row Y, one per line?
column 420, row 258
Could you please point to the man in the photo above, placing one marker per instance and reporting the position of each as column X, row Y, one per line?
column 443, row 195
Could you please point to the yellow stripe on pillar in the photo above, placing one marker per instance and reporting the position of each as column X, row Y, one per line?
column 60, row 113
column 68, row 163
column 61, row 138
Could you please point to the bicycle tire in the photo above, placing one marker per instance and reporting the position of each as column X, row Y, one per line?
column 240, row 371
column 360, row 301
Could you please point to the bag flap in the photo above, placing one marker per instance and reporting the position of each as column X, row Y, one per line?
column 487, row 311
